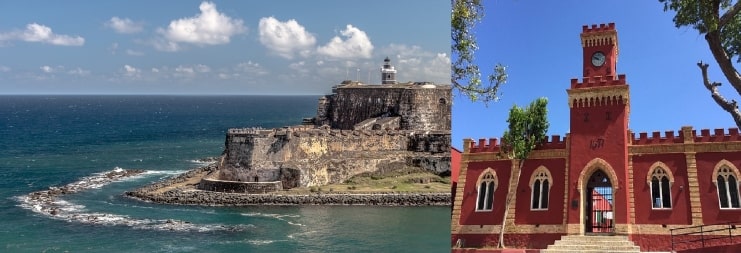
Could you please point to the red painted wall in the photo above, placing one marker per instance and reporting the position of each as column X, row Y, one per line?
column 664, row 243
column 455, row 164
column 680, row 211
column 469, row 216
column 613, row 150
column 522, row 241
column 455, row 168
column 711, row 212
column 554, row 214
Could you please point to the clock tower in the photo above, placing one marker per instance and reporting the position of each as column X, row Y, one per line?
column 600, row 49
column 598, row 155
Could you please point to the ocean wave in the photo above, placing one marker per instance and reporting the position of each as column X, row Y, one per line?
column 260, row 242
column 293, row 236
column 48, row 204
column 164, row 172
column 280, row 217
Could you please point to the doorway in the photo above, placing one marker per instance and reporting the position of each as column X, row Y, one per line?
column 599, row 209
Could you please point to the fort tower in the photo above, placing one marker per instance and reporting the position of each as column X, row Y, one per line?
column 388, row 73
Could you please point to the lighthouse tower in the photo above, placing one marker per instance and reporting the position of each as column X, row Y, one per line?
column 388, row 73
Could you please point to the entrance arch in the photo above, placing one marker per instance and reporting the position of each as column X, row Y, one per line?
column 597, row 185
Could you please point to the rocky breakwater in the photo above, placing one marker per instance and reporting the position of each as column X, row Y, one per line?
column 50, row 203
column 176, row 190
column 46, row 201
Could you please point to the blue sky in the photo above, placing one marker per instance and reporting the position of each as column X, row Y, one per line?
column 539, row 43
column 218, row 47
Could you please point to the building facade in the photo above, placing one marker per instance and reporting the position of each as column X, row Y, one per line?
column 601, row 179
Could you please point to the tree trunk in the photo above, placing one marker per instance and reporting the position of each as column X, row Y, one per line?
column 510, row 196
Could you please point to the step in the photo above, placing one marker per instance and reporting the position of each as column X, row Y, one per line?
column 595, row 247
column 588, row 251
column 593, row 244
column 609, row 243
column 595, row 237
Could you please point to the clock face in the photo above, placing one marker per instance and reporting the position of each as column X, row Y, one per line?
column 598, row 59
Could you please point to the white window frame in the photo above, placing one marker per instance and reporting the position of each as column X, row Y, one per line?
column 659, row 173
column 487, row 177
column 540, row 174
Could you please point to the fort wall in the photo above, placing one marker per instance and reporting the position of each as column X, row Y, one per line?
column 318, row 156
column 420, row 107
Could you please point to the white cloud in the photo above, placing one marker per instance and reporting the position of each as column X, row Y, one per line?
column 47, row 69
column 416, row 64
column 155, row 70
column 165, row 45
column 251, row 68
column 43, row 34
column 207, row 28
column 299, row 67
column 4, row 68
column 202, row 68
column 133, row 53
column 113, row 48
column 184, row 69
column 79, row 72
column 124, row 25
column 285, row 38
column 131, row 71
column 356, row 45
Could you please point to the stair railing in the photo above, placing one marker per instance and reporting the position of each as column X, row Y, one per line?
column 707, row 233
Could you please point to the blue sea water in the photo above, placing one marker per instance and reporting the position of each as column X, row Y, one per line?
column 55, row 140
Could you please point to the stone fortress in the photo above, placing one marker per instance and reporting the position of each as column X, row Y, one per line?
column 358, row 128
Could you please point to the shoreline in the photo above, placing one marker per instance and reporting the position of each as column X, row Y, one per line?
column 50, row 203
column 167, row 191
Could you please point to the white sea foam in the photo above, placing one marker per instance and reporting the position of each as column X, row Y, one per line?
column 293, row 236
column 280, row 217
column 48, row 204
column 165, row 172
column 201, row 163
column 260, row 242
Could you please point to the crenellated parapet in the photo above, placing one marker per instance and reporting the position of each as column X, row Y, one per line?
column 255, row 131
column 493, row 145
column 598, row 91
column 672, row 137
column 669, row 137
column 599, row 35
column 718, row 135
column 598, row 81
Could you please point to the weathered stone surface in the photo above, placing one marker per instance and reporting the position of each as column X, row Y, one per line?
column 359, row 128
column 210, row 198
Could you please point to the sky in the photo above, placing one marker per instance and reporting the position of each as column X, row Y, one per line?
column 539, row 43
column 217, row 47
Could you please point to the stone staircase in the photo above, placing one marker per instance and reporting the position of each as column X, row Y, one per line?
column 593, row 244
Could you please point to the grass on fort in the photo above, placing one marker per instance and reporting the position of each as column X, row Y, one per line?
column 401, row 180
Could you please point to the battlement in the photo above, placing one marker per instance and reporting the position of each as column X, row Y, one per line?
column 599, row 35
column 493, row 146
column 257, row 131
column 670, row 137
column 718, row 135
column 300, row 131
column 598, row 28
column 598, row 81
column 656, row 138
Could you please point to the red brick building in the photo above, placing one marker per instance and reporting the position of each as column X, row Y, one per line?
column 601, row 178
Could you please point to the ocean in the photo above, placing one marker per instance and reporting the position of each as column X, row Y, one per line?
column 56, row 140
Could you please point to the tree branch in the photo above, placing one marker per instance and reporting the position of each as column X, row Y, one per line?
column 729, row 14
column 729, row 106
column 723, row 59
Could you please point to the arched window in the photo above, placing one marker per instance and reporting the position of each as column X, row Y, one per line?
column 540, row 185
column 660, row 188
column 485, row 187
column 726, row 179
